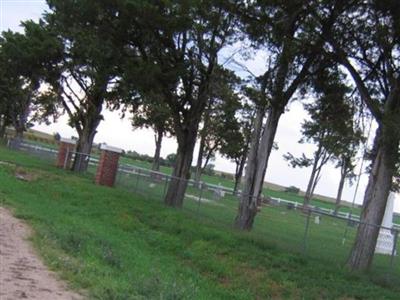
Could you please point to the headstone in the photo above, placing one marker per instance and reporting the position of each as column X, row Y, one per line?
column 384, row 244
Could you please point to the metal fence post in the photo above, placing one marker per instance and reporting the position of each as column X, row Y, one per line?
column 66, row 159
column 79, row 161
column 165, row 185
column 200, row 196
column 395, row 237
column 137, row 179
column 349, row 219
column 306, row 231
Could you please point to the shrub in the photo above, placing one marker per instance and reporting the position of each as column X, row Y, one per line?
column 292, row 189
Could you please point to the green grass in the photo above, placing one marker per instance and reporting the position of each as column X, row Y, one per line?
column 216, row 180
column 279, row 226
column 115, row 244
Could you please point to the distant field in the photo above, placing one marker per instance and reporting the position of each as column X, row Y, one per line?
column 123, row 243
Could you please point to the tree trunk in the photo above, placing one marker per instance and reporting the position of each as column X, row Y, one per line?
column 86, row 136
column 307, row 196
column 20, row 117
column 375, row 198
column 156, row 160
column 239, row 172
column 3, row 127
column 208, row 157
column 341, row 186
column 181, row 174
column 257, row 164
column 83, row 149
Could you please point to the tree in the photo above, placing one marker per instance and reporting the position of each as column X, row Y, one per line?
column 10, row 92
column 333, row 138
column 346, row 159
column 293, row 47
column 171, row 158
column 220, row 125
column 178, row 43
column 366, row 43
column 24, row 60
column 156, row 116
column 237, row 146
column 87, row 70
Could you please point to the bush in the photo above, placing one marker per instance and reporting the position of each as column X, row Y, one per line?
column 292, row 189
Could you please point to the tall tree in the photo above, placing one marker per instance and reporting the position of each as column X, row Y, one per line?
column 155, row 116
column 87, row 70
column 219, row 119
column 289, row 39
column 25, row 59
column 366, row 43
column 332, row 137
column 346, row 159
column 179, row 44
column 237, row 146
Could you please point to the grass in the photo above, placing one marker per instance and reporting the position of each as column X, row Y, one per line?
column 46, row 140
column 218, row 180
column 280, row 226
column 115, row 244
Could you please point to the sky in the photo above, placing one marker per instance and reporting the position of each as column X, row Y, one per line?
column 118, row 132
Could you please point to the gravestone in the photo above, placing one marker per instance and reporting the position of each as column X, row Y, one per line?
column 384, row 244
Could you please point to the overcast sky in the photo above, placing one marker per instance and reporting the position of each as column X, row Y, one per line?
column 117, row 132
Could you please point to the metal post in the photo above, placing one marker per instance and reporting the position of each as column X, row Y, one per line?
column 396, row 235
column 79, row 160
column 66, row 159
column 117, row 176
column 200, row 196
column 349, row 219
column 306, row 232
column 165, row 185
column 137, row 180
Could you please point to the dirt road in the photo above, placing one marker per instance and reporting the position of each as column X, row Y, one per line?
column 22, row 274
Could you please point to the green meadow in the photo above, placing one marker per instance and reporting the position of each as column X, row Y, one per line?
column 123, row 243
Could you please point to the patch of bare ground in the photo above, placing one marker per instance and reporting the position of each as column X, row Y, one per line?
column 22, row 274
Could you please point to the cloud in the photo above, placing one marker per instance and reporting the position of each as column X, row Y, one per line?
column 13, row 12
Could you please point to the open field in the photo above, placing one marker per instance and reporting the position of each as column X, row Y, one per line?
column 117, row 244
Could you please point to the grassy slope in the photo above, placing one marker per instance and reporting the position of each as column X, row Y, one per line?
column 117, row 245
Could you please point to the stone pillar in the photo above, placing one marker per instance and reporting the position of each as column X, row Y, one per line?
column 108, row 165
column 65, row 150
column 384, row 244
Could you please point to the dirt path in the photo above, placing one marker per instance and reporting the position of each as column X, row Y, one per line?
column 22, row 274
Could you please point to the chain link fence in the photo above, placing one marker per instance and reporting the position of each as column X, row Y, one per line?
column 32, row 148
column 315, row 232
column 50, row 155
column 81, row 161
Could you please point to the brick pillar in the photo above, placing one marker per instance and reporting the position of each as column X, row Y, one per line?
column 65, row 150
column 108, row 165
